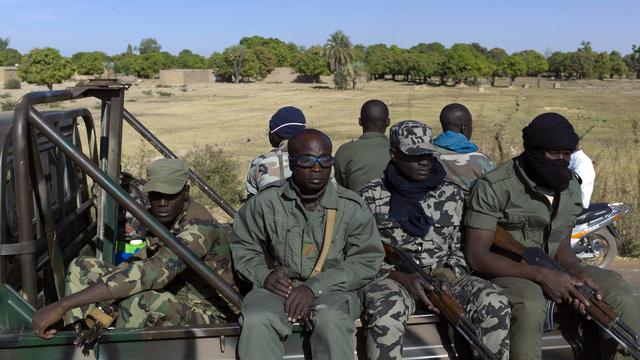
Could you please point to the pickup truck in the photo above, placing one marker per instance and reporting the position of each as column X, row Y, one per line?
column 61, row 197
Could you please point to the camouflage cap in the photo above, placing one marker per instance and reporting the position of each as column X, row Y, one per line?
column 167, row 176
column 412, row 138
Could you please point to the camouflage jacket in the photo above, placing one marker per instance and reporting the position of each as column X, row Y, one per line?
column 273, row 230
column 464, row 169
column 157, row 267
column 441, row 246
column 268, row 168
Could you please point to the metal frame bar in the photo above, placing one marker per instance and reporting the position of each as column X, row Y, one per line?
column 23, row 187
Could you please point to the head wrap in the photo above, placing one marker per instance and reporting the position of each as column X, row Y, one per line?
column 405, row 206
column 548, row 131
column 287, row 122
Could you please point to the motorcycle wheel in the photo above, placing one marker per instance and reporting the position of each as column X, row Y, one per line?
column 604, row 247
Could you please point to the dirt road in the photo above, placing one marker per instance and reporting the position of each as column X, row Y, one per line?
column 630, row 270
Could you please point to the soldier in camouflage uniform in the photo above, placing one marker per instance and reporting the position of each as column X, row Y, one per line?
column 459, row 156
column 274, row 165
column 417, row 210
column 156, row 288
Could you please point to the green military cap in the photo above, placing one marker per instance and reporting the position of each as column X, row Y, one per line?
column 412, row 138
column 167, row 176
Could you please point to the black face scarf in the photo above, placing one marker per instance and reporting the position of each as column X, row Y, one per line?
column 405, row 206
column 551, row 174
column 548, row 131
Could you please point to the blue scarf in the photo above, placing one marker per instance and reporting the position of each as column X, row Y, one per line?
column 455, row 142
column 405, row 206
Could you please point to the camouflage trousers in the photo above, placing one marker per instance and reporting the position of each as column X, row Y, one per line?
column 146, row 309
column 388, row 306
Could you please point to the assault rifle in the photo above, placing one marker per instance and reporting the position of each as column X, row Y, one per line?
column 443, row 301
column 598, row 310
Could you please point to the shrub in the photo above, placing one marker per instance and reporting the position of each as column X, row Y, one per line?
column 136, row 163
column 12, row 84
column 147, row 92
column 164, row 93
column 7, row 105
column 5, row 95
column 219, row 171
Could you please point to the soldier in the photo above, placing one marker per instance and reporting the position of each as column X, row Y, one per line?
column 418, row 211
column 459, row 156
column 536, row 198
column 274, row 165
column 360, row 161
column 280, row 234
column 156, row 289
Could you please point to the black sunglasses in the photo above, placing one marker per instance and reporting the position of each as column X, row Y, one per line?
column 307, row 161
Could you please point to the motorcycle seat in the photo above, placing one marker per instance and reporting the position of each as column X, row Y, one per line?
column 593, row 212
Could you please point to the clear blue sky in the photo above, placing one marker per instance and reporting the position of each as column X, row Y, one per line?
column 207, row 26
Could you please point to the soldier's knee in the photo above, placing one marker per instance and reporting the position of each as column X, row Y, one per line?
column 532, row 307
column 253, row 319
column 330, row 321
column 622, row 298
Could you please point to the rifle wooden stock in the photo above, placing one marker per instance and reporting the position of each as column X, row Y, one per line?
column 505, row 241
column 598, row 310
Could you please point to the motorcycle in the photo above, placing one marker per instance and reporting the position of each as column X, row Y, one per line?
column 595, row 238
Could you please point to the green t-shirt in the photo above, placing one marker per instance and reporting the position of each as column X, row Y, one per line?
column 361, row 161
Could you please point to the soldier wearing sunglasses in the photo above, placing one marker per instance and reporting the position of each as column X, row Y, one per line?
column 279, row 235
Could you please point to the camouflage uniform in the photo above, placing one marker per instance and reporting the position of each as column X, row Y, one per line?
column 464, row 169
column 388, row 305
column 268, row 168
column 158, row 289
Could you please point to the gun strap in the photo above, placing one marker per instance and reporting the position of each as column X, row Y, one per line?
column 326, row 244
column 280, row 164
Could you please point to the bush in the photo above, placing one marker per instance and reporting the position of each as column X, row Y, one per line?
column 147, row 92
column 164, row 93
column 219, row 171
column 5, row 95
column 12, row 84
column 7, row 105
column 137, row 162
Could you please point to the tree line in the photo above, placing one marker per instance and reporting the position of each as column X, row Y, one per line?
column 253, row 58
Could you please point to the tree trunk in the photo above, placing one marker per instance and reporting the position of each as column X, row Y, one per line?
column 539, row 78
column 50, row 86
column 511, row 80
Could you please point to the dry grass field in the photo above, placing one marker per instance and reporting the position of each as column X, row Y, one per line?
column 234, row 117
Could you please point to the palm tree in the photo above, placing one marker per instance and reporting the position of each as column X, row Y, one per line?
column 338, row 53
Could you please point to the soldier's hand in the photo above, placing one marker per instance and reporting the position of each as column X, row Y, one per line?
column 298, row 303
column 557, row 285
column 45, row 318
column 583, row 277
column 278, row 283
column 580, row 302
column 418, row 287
